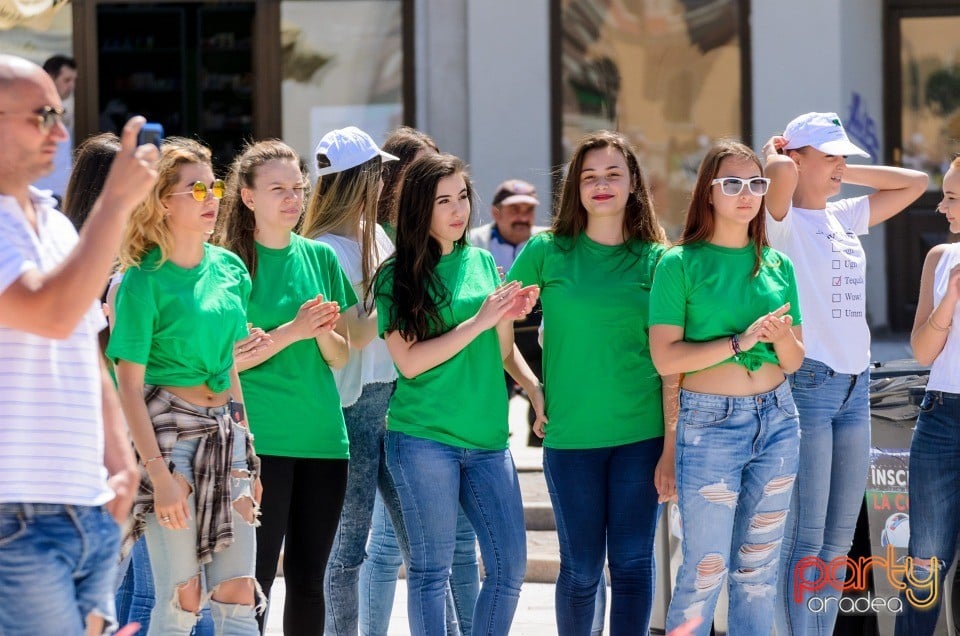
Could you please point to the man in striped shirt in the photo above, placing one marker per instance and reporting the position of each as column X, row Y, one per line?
column 67, row 473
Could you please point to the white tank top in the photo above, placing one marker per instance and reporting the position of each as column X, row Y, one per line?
column 945, row 371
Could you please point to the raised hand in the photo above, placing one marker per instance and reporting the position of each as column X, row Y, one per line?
column 523, row 303
column 248, row 348
column 953, row 284
column 133, row 171
column 497, row 304
column 774, row 145
column 755, row 332
column 315, row 317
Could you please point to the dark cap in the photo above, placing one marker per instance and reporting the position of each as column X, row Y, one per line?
column 515, row 191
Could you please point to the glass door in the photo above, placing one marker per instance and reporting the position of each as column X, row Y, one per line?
column 923, row 132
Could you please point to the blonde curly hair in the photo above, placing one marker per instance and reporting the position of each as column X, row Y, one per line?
column 147, row 227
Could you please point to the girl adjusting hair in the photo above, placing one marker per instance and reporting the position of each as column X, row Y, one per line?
column 595, row 269
column 179, row 310
column 831, row 387
column 448, row 325
column 724, row 313
column 935, row 450
column 298, row 293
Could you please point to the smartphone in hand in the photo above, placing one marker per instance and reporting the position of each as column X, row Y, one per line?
column 151, row 133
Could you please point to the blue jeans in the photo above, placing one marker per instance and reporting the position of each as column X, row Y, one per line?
column 366, row 426
column 736, row 464
column 605, row 503
column 136, row 594
column 431, row 479
column 934, row 507
column 378, row 576
column 173, row 556
column 57, row 566
column 834, row 415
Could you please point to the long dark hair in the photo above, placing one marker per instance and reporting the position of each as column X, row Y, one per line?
column 700, row 222
column 404, row 143
column 639, row 220
column 92, row 163
column 237, row 222
column 417, row 292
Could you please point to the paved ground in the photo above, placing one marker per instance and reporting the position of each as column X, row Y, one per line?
column 534, row 613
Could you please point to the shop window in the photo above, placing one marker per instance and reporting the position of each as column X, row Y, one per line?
column 187, row 66
column 342, row 65
column 930, row 86
column 666, row 73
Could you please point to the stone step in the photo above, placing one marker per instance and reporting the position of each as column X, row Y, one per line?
column 543, row 556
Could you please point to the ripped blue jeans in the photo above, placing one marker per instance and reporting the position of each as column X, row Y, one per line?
column 736, row 463
column 173, row 555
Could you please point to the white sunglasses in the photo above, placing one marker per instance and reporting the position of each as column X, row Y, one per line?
column 732, row 186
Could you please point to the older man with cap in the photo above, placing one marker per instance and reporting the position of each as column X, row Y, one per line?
column 66, row 464
column 514, row 211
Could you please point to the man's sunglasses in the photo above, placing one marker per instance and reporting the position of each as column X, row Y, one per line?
column 200, row 190
column 46, row 117
column 732, row 186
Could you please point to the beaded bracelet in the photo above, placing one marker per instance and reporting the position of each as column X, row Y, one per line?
column 735, row 345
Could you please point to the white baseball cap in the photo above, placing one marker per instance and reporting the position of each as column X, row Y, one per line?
column 822, row 131
column 348, row 148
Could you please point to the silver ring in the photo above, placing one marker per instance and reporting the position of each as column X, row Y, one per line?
column 164, row 518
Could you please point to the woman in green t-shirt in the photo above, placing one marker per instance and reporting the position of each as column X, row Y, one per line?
column 724, row 312
column 448, row 325
column 605, row 400
column 179, row 310
column 298, row 293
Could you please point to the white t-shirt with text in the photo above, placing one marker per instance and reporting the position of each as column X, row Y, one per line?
column 831, row 270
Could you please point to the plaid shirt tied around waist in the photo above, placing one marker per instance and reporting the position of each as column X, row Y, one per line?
column 175, row 419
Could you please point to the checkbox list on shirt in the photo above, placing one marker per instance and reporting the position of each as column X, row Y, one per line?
column 836, row 281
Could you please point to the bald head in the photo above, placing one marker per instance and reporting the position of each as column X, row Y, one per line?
column 27, row 149
column 15, row 72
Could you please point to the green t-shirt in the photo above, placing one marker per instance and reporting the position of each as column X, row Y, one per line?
column 601, row 386
column 712, row 293
column 463, row 401
column 182, row 323
column 292, row 400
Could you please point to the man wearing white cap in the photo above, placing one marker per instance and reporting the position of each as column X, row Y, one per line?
column 807, row 165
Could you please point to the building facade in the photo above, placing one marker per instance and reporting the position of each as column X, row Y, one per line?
column 509, row 85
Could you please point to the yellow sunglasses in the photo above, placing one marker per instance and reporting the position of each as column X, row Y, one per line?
column 201, row 189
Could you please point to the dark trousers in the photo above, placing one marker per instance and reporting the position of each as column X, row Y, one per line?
column 302, row 499
column 525, row 336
